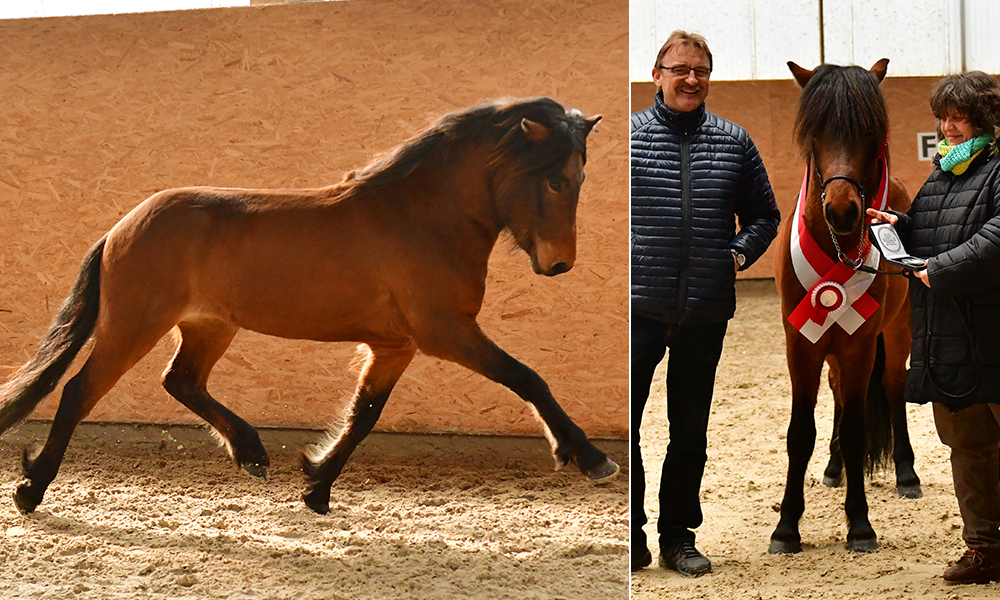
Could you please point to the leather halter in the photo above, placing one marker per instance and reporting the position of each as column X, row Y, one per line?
column 857, row 265
column 825, row 182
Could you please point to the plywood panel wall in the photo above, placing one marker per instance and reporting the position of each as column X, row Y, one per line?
column 98, row 113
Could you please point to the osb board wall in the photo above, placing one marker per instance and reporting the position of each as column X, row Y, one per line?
column 98, row 113
column 767, row 110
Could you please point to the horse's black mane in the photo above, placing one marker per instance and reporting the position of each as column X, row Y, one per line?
column 496, row 123
column 845, row 107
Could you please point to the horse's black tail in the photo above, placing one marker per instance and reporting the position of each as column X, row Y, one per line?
column 878, row 420
column 68, row 333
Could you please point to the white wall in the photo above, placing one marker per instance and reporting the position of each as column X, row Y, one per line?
column 753, row 39
column 19, row 9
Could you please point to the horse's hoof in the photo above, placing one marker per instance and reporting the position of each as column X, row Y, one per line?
column 863, row 545
column 25, row 504
column 783, row 547
column 833, row 482
column 316, row 502
column 909, row 491
column 604, row 472
column 258, row 471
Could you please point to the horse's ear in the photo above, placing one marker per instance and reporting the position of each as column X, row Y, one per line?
column 800, row 74
column 535, row 132
column 879, row 68
column 592, row 121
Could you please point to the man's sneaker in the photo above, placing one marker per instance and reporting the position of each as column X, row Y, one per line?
column 685, row 559
column 641, row 559
column 973, row 567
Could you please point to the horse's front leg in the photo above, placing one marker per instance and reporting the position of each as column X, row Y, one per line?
column 460, row 340
column 322, row 465
column 853, row 390
column 805, row 363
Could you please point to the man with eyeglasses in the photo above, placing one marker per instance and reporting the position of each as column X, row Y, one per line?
column 694, row 176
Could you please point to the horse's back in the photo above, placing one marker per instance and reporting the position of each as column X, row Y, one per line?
column 299, row 264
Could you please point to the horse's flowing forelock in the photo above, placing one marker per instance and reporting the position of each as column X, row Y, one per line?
column 845, row 107
column 497, row 124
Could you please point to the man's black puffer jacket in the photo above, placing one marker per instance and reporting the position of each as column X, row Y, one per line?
column 692, row 175
column 955, row 223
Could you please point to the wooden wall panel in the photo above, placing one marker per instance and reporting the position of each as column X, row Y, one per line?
column 98, row 113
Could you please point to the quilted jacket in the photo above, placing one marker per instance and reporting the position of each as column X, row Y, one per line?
column 692, row 175
column 954, row 222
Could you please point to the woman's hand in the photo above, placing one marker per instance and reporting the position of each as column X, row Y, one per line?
column 922, row 276
column 881, row 217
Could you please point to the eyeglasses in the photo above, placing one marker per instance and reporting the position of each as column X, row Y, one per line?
column 684, row 71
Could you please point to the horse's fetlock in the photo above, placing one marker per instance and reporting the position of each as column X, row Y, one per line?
column 309, row 467
column 29, row 455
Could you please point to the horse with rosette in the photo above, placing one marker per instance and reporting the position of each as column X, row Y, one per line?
column 394, row 256
column 839, row 303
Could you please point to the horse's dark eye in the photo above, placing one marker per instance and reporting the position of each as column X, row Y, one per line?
column 555, row 185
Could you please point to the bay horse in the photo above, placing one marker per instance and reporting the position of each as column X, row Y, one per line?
column 841, row 129
column 394, row 257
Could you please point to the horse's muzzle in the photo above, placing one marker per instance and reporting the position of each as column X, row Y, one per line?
column 555, row 269
column 844, row 221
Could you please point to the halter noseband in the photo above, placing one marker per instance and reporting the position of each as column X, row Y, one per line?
column 857, row 265
column 825, row 182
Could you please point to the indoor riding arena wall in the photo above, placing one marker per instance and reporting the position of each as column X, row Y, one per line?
column 767, row 110
column 98, row 113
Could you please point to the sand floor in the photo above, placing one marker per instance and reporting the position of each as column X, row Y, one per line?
column 161, row 513
column 744, row 483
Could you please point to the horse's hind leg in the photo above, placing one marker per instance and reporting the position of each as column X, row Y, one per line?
column 379, row 374
column 833, row 474
column 108, row 361
column 897, row 348
column 186, row 379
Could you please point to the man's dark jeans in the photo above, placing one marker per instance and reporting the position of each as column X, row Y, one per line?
column 694, row 356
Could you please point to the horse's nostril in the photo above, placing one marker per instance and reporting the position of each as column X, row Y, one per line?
column 558, row 268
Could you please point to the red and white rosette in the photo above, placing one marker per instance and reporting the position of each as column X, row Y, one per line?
column 836, row 292
column 828, row 299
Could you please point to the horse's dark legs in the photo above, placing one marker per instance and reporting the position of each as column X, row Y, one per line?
column 41, row 465
column 103, row 368
column 186, row 379
column 907, row 480
column 860, row 535
column 466, row 345
column 833, row 475
column 804, row 369
column 897, row 348
column 379, row 374
column 800, row 443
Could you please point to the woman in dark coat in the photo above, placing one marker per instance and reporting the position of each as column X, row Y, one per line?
column 954, row 223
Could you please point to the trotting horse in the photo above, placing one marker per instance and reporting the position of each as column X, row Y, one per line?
column 838, row 305
column 394, row 257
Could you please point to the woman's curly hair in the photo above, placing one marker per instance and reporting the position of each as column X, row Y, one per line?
column 974, row 95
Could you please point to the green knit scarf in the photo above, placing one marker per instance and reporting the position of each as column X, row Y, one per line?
column 957, row 158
